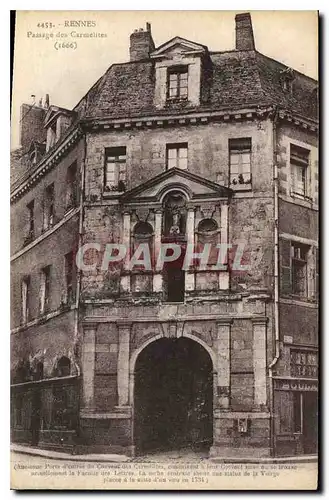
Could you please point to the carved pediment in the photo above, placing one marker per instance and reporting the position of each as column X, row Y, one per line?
column 178, row 47
column 192, row 185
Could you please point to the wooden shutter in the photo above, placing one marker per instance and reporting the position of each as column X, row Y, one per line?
column 317, row 274
column 285, row 267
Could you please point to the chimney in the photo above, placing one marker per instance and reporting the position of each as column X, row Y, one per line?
column 141, row 44
column 31, row 125
column 244, row 35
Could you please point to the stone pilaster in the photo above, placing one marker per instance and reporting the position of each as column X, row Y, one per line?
column 189, row 275
column 259, row 360
column 223, row 276
column 124, row 329
column 157, row 276
column 88, row 366
column 125, row 278
column 223, row 345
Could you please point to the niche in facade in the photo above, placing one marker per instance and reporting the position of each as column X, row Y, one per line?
column 174, row 220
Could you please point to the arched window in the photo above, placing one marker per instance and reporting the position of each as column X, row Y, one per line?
column 63, row 367
column 143, row 234
column 174, row 221
column 208, row 233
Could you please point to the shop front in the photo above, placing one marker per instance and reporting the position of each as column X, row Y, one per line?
column 296, row 406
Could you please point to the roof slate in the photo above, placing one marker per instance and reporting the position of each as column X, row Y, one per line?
column 234, row 78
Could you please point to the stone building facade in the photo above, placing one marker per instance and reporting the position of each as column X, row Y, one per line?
column 180, row 146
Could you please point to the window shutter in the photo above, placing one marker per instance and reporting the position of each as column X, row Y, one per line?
column 317, row 275
column 285, row 267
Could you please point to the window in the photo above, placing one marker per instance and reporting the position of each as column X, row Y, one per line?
column 295, row 259
column 115, row 169
column 69, row 278
column 30, row 223
column 51, row 136
column 287, row 85
column 26, row 299
column 45, row 290
column 299, row 159
column 177, row 156
column 240, row 162
column 299, row 269
column 49, row 207
column 178, row 83
column 71, row 186
column 63, row 367
column 303, row 363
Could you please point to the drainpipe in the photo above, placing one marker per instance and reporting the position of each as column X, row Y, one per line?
column 78, row 288
column 81, row 217
column 276, row 276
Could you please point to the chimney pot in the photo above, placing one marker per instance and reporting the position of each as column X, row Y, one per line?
column 244, row 35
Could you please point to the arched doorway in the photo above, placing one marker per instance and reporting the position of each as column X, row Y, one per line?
column 173, row 397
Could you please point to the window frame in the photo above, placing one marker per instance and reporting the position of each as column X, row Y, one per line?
column 296, row 367
column 297, row 262
column 49, row 207
column 299, row 159
column 69, row 277
column 177, row 147
column 118, row 162
column 25, row 297
column 238, row 147
column 45, row 289
column 30, row 208
column 71, row 186
column 177, row 71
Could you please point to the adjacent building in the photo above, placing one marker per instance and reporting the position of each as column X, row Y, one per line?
column 180, row 145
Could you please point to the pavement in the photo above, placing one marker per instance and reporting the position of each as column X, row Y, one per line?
column 179, row 455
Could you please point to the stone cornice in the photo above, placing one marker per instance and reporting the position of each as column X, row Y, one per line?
column 196, row 118
column 46, row 164
column 254, row 112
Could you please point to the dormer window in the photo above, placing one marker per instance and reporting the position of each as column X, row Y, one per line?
column 287, row 78
column 177, row 83
column 51, row 136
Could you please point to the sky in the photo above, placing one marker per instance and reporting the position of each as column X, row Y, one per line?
column 41, row 67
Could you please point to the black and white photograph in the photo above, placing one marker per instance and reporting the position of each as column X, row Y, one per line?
column 164, row 199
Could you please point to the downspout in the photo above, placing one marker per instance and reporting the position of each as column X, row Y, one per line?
column 81, row 214
column 78, row 289
column 276, row 276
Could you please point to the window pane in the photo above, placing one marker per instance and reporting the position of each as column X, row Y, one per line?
column 234, row 169
column 246, row 168
column 182, row 152
column 110, row 167
column 182, row 163
column 173, row 78
column 172, row 153
column 183, row 91
column 245, row 158
column 171, row 162
column 234, row 158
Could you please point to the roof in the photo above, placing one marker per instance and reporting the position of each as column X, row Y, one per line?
column 234, row 78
